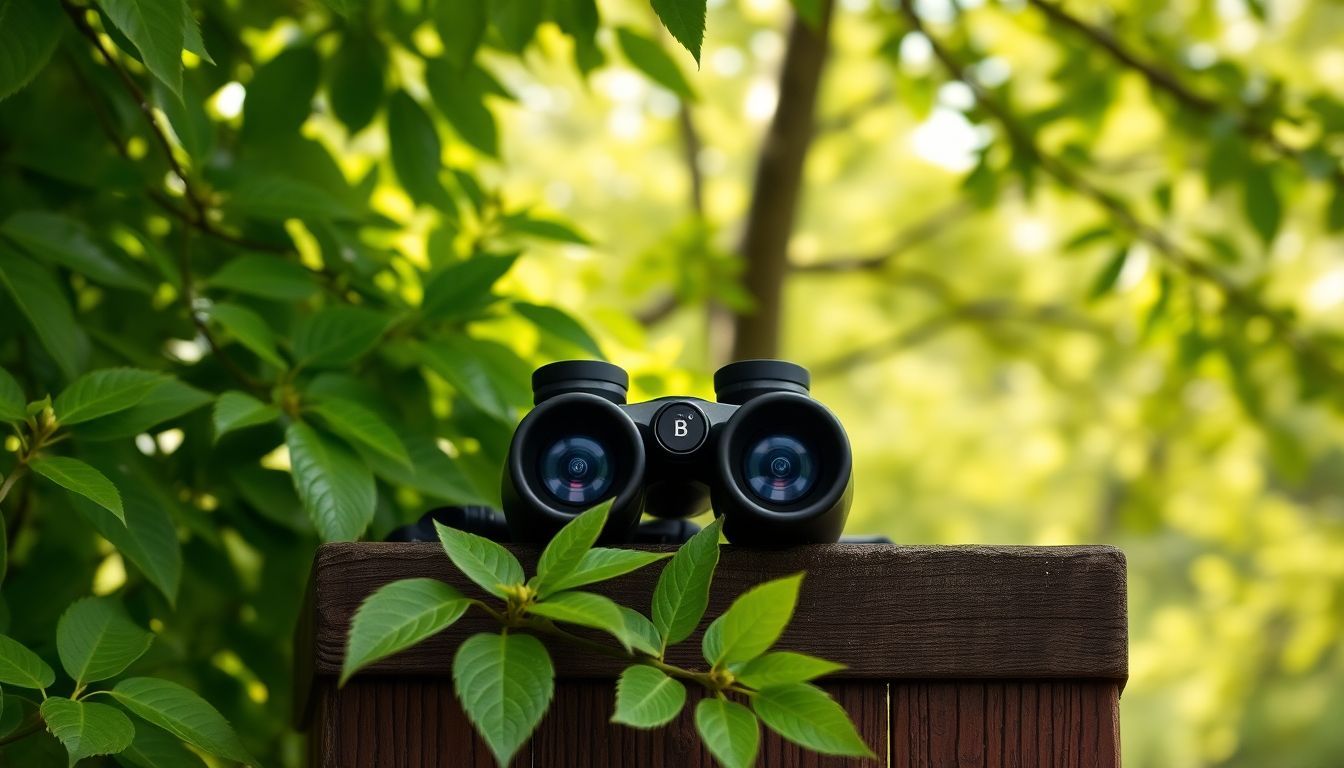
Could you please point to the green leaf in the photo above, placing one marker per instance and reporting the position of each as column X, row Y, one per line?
column 337, row 488
column 805, row 715
column 20, row 666
column 463, row 287
column 183, row 714
column 431, row 471
column 280, row 95
column 87, row 729
column 753, row 622
column 40, row 298
column 559, row 325
column 461, row 27
column 647, row 698
column 650, row 58
column 358, row 424
column 77, row 477
column 1263, row 207
column 13, row 405
column 250, row 330
column 187, row 118
column 566, row 550
column 29, row 31
column 483, row 561
column 601, row 563
column 192, row 37
column 1109, row 274
column 156, row 748
column 105, row 391
column 239, row 410
column 269, row 277
column 158, row 28
column 65, row 241
column 545, row 229
column 96, row 640
column 453, row 358
column 337, row 336
column 505, row 683
column 780, row 667
column 168, row 400
column 148, row 539
column 398, row 616
column 685, row 19
column 586, row 610
column 1334, row 217
column 516, row 21
column 356, row 82
column 682, row 594
column 729, row 730
column 459, row 93
column 276, row 197
column 416, row 152
column 642, row 634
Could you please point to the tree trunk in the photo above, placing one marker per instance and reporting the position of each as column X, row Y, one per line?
column 779, row 176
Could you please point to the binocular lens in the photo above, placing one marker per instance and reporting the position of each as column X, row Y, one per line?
column 576, row 470
column 779, row 469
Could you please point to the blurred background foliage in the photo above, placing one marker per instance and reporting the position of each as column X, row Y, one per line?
column 1068, row 273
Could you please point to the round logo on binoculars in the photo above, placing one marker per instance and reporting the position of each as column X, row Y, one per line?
column 681, row 427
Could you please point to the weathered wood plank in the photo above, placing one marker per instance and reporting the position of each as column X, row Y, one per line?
column 887, row 612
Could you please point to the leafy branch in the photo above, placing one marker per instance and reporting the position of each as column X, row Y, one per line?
column 512, row 671
column 1169, row 83
column 1281, row 324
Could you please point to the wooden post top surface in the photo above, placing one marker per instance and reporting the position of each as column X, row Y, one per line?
column 885, row 611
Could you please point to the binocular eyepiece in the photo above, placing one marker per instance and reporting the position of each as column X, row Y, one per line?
column 773, row 462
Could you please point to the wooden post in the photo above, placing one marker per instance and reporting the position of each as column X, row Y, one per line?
column 957, row 656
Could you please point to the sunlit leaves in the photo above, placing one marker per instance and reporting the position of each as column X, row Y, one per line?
column 685, row 19
column 586, row 610
column 158, row 30
column 563, row 555
column 169, row 399
column 239, row 410
column 753, row 622
column 97, row 640
column 356, row 83
column 77, row 477
column 559, row 325
column 65, row 241
column 249, row 329
column 337, row 488
column 398, row 616
column 805, row 715
column 647, row 698
column 461, row 27
column 729, row 730
column 601, row 563
column 1263, row 208
column 267, row 277
column 358, row 424
column 147, row 539
column 29, row 31
column 85, row 728
column 505, row 682
column 516, row 21
column 779, row 667
column 653, row 60
column 459, row 93
column 41, row 300
column 682, row 594
column 182, row 713
column 279, row 97
column 488, row 564
column 463, row 287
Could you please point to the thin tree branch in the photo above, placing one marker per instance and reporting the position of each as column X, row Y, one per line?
column 1236, row 296
column 844, row 120
column 777, row 186
column 1169, row 83
column 917, row 234
column 188, row 295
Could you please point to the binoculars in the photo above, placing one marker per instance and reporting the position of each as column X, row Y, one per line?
column 771, row 461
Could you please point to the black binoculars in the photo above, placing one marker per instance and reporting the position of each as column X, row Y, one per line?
column 771, row 461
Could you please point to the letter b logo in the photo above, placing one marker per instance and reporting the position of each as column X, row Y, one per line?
column 679, row 428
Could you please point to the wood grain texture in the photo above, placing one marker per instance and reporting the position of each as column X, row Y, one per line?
column 1005, row 724
column 402, row 722
column 887, row 612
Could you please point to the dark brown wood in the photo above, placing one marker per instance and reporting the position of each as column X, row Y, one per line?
column 942, row 724
column 884, row 611
column 1001, row 657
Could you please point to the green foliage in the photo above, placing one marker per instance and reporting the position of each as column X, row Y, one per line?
column 77, row 477
column 182, row 713
column 97, row 640
column 647, row 698
column 505, row 681
column 86, row 728
column 20, row 666
column 753, row 622
column 398, row 616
